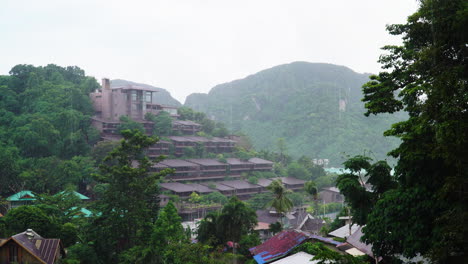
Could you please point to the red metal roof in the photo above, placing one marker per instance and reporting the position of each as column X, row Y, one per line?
column 277, row 246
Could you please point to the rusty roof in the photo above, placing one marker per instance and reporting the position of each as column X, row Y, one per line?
column 42, row 248
column 277, row 246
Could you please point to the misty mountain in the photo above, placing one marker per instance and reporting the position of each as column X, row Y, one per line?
column 316, row 107
column 162, row 97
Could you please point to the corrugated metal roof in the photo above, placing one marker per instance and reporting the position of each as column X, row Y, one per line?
column 355, row 240
column 277, row 246
column 298, row 258
column 267, row 217
column 77, row 194
column 22, row 196
column 42, row 248
column 332, row 189
column 344, row 231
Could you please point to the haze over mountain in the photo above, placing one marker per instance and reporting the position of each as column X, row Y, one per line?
column 316, row 107
column 163, row 96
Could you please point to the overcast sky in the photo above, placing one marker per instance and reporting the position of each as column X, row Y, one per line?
column 188, row 46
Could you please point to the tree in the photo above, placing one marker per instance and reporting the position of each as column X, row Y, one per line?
column 162, row 123
column 280, row 202
column 426, row 76
column 168, row 229
column 298, row 171
column 128, row 124
column 28, row 216
column 275, row 227
column 282, row 149
column 9, row 169
column 235, row 220
column 311, row 189
column 129, row 204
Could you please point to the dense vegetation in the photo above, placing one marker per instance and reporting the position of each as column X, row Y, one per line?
column 423, row 207
column 45, row 129
column 300, row 102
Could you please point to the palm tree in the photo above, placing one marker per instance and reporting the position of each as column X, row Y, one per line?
column 280, row 202
column 311, row 188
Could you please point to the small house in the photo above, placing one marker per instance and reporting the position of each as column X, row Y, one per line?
column 29, row 247
column 20, row 198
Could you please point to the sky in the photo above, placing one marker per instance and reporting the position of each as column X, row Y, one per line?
column 189, row 46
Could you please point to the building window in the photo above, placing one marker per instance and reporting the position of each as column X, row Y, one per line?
column 148, row 97
column 134, row 95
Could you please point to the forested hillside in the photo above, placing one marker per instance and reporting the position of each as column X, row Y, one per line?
column 162, row 96
column 315, row 107
column 45, row 128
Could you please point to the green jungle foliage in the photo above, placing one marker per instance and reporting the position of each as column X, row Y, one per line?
column 300, row 102
column 45, row 128
column 423, row 207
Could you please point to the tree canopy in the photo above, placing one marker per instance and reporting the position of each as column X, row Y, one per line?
column 426, row 211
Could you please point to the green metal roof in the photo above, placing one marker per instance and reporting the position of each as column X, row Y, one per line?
column 22, row 196
column 82, row 213
column 77, row 194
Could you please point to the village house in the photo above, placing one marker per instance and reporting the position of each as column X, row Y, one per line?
column 21, row 198
column 331, row 195
column 30, row 247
